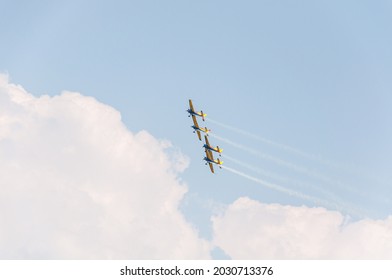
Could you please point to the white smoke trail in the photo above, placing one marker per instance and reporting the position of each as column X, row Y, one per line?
column 279, row 145
column 315, row 200
column 253, row 168
column 265, row 156
column 355, row 170
column 282, row 178
column 280, row 188
column 301, row 169
column 292, row 166
column 262, row 139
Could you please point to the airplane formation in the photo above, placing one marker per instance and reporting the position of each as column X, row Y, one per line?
column 209, row 158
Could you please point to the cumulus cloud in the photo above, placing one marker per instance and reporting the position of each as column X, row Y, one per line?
column 76, row 183
column 248, row 229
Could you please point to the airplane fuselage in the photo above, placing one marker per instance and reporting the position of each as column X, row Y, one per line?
column 217, row 162
column 212, row 148
column 200, row 129
column 193, row 113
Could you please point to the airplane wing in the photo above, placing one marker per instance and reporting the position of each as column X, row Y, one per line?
column 211, row 167
column 198, row 134
column 209, row 155
column 195, row 121
column 191, row 105
column 207, row 142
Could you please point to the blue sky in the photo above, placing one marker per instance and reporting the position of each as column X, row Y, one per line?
column 312, row 76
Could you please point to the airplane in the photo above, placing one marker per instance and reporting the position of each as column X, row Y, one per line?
column 209, row 147
column 192, row 111
column 210, row 160
column 197, row 128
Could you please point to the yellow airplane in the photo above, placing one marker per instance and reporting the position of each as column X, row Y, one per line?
column 210, row 160
column 192, row 111
column 198, row 129
column 209, row 147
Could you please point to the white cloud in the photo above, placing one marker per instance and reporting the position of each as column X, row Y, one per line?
column 248, row 229
column 76, row 183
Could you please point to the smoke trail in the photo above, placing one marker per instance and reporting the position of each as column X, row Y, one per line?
column 281, row 178
column 297, row 194
column 280, row 188
column 265, row 156
column 304, row 170
column 297, row 168
column 279, row 145
column 253, row 168
column 262, row 139
column 289, row 165
column 355, row 170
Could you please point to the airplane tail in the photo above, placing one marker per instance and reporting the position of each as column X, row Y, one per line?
column 202, row 115
column 220, row 162
column 219, row 150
